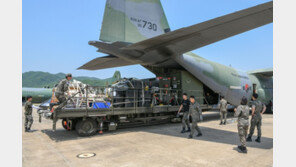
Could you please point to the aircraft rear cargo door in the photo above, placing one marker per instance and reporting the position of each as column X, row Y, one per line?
column 192, row 86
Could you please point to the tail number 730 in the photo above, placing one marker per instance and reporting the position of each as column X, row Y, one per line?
column 144, row 24
column 149, row 25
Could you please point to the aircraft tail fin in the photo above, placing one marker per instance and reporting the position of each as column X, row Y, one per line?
column 133, row 20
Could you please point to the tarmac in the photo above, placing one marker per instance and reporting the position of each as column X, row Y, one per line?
column 148, row 146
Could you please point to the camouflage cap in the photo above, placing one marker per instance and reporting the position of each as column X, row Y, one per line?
column 68, row 75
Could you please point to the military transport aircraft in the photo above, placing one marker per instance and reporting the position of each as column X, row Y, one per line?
column 137, row 32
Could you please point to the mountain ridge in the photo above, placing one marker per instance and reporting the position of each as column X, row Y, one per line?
column 40, row 79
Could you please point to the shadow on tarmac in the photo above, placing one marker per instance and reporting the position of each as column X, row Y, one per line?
column 31, row 131
column 212, row 135
column 216, row 135
column 62, row 135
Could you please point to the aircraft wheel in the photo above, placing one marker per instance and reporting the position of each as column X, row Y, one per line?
column 86, row 127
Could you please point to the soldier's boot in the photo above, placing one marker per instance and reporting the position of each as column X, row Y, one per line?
column 183, row 130
column 224, row 123
column 190, row 137
column 221, row 123
column 198, row 135
column 188, row 130
column 258, row 139
column 244, row 149
column 249, row 139
column 26, row 129
column 240, row 148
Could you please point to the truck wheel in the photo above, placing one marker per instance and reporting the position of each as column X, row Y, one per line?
column 74, row 122
column 86, row 127
column 64, row 124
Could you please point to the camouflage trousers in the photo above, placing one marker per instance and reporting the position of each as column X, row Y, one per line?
column 185, row 120
column 194, row 126
column 242, row 133
column 28, row 121
column 255, row 122
column 61, row 97
column 223, row 116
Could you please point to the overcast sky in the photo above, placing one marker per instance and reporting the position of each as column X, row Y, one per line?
column 56, row 34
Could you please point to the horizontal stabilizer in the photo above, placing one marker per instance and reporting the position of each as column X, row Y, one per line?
column 105, row 62
column 266, row 72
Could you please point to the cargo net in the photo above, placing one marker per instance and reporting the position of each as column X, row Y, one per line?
column 124, row 93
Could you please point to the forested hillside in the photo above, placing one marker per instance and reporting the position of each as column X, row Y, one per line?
column 38, row 79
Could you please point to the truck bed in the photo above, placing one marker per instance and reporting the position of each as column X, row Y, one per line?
column 90, row 112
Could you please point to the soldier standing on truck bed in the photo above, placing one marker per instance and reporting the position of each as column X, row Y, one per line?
column 185, row 106
column 223, row 110
column 258, row 108
column 62, row 89
column 28, row 114
column 195, row 112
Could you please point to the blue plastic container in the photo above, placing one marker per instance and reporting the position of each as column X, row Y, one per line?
column 101, row 105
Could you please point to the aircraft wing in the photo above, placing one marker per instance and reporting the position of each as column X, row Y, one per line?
column 266, row 72
column 105, row 62
column 186, row 39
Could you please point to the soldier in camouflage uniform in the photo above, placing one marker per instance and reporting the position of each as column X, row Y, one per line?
column 195, row 113
column 62, row 88
column 223, row 110
column 185, row 106
column 28, row 114
column 242, row 112
column 258, row 108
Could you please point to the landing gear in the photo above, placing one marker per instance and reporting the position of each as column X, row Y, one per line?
column 87, row 127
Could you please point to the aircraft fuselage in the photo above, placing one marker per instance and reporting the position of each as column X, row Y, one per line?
column 226, row 81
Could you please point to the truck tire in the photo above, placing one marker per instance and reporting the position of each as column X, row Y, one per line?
column 86, row 127
column 74, row 122
column 63, row 124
